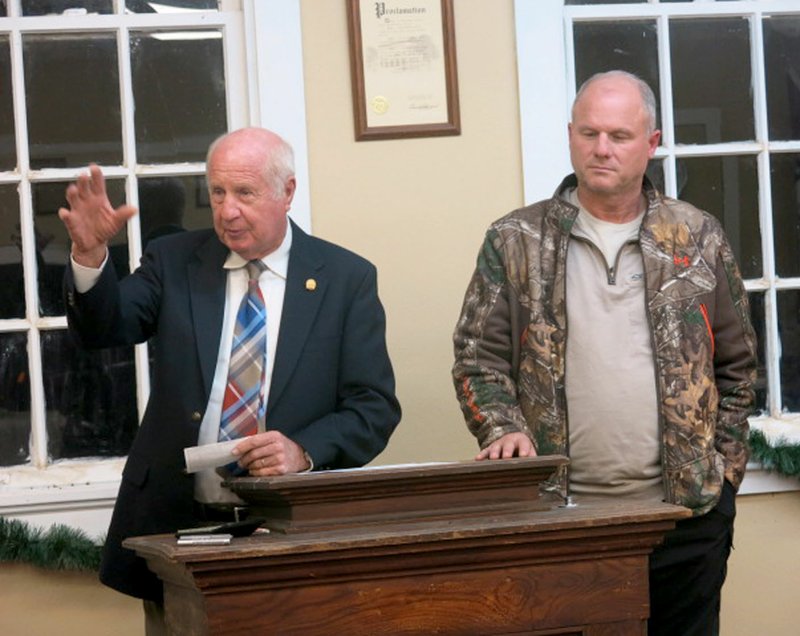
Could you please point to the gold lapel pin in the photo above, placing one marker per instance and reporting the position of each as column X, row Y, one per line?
column 311, row 284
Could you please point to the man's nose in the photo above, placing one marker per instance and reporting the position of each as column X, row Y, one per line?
column 229, row 207
column 601, row 145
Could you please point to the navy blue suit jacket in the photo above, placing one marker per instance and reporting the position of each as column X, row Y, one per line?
column 332, row 387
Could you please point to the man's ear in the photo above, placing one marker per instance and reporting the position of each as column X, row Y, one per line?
column 289, row 190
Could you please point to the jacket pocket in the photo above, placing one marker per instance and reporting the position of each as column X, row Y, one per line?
column 697, row 484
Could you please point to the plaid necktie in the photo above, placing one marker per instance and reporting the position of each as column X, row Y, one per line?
column 243, row 407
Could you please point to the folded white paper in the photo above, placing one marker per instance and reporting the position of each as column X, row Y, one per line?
column 209, row 455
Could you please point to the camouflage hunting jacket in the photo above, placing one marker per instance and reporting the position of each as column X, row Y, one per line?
column 511, row 338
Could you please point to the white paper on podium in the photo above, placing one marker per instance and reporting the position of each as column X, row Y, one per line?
column 209, row 455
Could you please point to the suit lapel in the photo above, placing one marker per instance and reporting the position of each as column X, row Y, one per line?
column 207, row 282
column 301, row 304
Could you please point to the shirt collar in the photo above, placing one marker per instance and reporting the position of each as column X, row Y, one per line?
column 277, row 261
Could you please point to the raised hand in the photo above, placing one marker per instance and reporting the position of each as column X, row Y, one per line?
column 91, row 221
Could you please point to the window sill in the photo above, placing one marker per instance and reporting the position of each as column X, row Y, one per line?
column 76, row 493
column 758, row 481
column 785, row 430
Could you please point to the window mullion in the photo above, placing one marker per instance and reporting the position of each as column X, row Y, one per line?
column 38, row 441
column 772, row 344
column 667, row 118
column 127, row 108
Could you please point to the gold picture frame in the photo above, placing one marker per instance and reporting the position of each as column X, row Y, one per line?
column 403, row 68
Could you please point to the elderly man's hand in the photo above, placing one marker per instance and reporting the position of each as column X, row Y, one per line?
column 271, row 453
column 90, row 219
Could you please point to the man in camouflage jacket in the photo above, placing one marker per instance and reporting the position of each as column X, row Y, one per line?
column 511, row 339
column 517, row 296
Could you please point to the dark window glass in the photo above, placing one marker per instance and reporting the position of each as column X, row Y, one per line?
column 785, row 177
column 8, row 139
column 15, row 399
column 169, row 6
column 727, row 187
column 789, row 334
column 655, row 172
column 179, row 91
column 90, row 398
column 72, row 91
column 782, row 65
column 53, row 244
column 172, row 204
column 628, row 45
column 12, row 287
column 711, row 103
column 758, row 319
column 65, row 7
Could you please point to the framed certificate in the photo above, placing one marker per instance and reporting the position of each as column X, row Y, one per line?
column 403, row 68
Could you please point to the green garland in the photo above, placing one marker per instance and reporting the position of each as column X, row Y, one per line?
column 58, row 548
column 781, row 457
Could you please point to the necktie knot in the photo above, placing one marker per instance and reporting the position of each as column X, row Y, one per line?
column 254, row 269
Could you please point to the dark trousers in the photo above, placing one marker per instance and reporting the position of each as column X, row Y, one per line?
column 687, row 572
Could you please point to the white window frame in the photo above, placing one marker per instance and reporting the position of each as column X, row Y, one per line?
column 546, row 76
column 264, row 87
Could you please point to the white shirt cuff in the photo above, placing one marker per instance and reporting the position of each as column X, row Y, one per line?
column 86, row 277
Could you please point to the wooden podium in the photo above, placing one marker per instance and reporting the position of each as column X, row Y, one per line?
column 458, row 548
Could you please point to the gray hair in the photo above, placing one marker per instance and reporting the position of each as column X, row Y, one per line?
column 648, row 98
column 279, row 167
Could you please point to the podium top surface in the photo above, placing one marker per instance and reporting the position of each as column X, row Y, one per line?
column 592, row 515
column 391, row 494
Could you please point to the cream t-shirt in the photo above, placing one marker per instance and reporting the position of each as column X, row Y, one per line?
column 610, row 372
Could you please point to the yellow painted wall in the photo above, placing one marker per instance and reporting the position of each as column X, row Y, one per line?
column 418, row 210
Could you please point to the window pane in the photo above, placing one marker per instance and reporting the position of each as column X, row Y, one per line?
column 758, row 319
column 172, row 204
column 170, row 6
column 655, row 172
column 785, row 177
column 12, row 289
column 72, row 89
column 15, row 399
column 58, row 7
column 727, row 187
column 8, row 139
column 626, row 45
column 789, row 333
column 53, row 241
column 90, row 398
column 782, row 64
column 179, row 90
column 712, row 104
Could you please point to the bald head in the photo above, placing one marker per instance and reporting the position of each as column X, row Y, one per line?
column 265, row 148
column 618, row 78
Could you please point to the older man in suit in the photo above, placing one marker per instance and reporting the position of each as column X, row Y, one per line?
column 328, row 387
